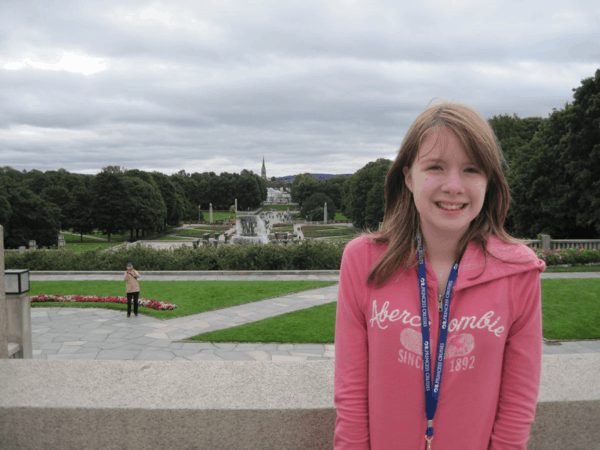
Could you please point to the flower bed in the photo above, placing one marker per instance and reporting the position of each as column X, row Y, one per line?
column 569, row 256
column 154, row 304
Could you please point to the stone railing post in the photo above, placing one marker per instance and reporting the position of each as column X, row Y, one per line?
column 3, row 306
column 19, row 324
column 545, row 242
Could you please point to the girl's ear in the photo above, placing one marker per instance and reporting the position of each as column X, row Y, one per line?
column 407, row 178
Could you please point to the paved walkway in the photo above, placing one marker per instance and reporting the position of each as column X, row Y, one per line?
column 94, row 333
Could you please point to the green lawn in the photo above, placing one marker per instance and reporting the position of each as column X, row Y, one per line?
column 562, row 319
column 283, row 229
column 340, row 216
column 340, row 238
column 199, row 232
column 325, row 231
column 191, row 297
column 71, row 238
column 174, row 238
column 569, row 307
column 91, row 245
column 217, row 215
column 280, row 207
column 115, row 237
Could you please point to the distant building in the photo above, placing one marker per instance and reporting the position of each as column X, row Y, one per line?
column 275, row 196
column 263, row 171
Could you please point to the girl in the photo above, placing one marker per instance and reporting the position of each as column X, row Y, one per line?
column 423, row 286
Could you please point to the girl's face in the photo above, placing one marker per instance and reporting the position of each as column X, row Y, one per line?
column 453, row 180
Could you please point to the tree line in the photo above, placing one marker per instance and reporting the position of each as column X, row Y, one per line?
column 553, row 173
column 36, row 205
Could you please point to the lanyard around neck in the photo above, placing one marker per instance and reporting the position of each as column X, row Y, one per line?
column 432, row 395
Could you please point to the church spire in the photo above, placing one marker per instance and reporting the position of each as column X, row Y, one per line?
column 263, row 172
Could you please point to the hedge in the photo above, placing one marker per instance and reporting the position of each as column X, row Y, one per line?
column 310, row 255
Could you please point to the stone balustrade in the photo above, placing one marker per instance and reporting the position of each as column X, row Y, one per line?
column 18, row 330
column 60, row 404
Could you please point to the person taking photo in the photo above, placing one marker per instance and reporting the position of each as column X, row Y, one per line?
column 133, row 289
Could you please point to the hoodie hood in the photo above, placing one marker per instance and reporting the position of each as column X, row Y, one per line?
column 473, row 268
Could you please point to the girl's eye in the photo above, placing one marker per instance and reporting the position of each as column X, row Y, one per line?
column 474, row 170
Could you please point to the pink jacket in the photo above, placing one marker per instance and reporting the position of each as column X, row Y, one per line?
column 492, row 361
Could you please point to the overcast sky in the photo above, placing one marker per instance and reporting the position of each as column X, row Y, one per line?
column 315, row 86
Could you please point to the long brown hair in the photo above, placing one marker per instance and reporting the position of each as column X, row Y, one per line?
column 401, row 221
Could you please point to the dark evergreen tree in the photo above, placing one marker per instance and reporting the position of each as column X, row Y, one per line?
column 314, row 205
column 554, row 178
column 111, row 203
column 364, row 194
column 31, row 218
column 303, row 186
column 172, row 196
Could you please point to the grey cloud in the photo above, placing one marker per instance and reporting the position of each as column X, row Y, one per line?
column 311, row 85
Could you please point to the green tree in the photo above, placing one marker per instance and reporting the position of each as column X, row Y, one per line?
column 250, row 190
column 303, row 186
column 147, row 209
column 513, row 132
column 61, row 197
column 314, row 205
column 80, row 211
column 332, row 187
column 114, row 169
column 173, row 197
column 554, row 181
column 36, row 181
column 187, row 186
column 31, row 217
column 148, row 220
column 5, row 208
column 224, row 191
column 111, row 203
column 364, row 194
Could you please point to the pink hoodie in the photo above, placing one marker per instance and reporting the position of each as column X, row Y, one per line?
column 492, row 361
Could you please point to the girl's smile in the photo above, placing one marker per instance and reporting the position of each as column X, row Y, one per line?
column 448, row 190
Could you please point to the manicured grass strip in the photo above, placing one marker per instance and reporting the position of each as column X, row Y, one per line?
column 280, row 207
column 115, row 237
column 571, row 308
column 199, row 232
column 288, row 228
column 217, row 215
column 76, row 239
column 207, row 227
column 340, row 216
column 78, row 248
column 569, row 312
column 314, row 325
column 327, row 231
column 191, row 297
column 174, row 238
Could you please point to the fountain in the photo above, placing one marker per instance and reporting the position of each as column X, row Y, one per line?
column 249, row 230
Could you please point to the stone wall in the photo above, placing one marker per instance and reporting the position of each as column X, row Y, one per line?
column 76, row 404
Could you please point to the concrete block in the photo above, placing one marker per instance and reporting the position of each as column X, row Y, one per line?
column 73, row 404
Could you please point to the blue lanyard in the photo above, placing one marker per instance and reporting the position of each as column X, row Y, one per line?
column 432, row 395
